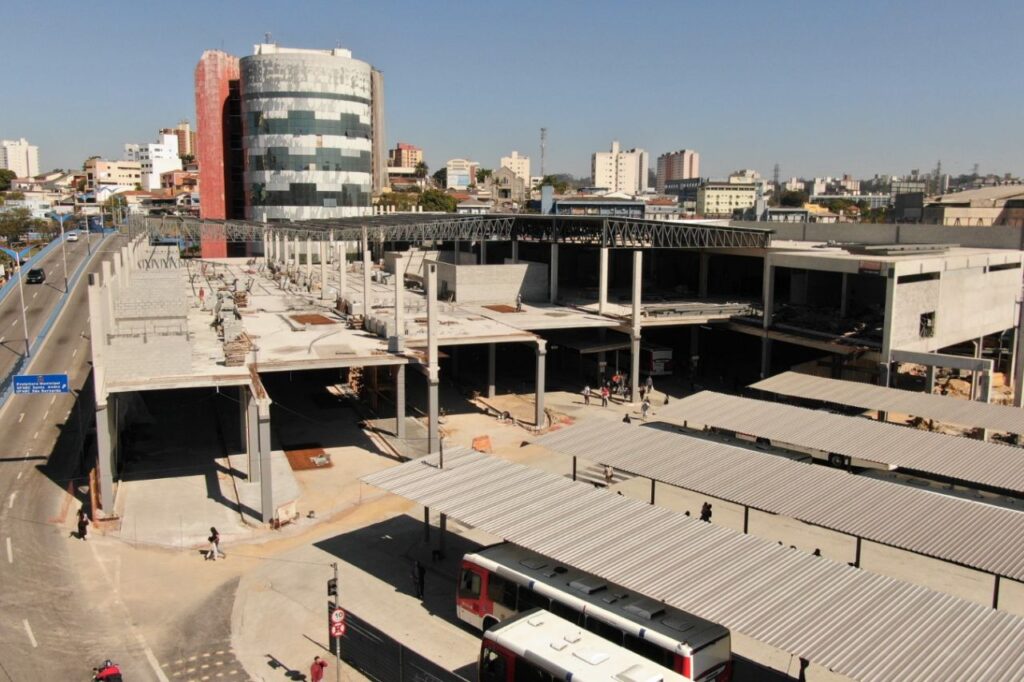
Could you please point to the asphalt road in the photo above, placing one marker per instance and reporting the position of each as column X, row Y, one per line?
column 40, row 300
column 59, row 615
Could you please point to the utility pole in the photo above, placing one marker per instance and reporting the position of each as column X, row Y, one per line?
column 337, row 640
column 543, row 148
column 21, row 291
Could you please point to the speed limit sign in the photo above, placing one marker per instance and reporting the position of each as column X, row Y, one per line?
column 337, row 616
column 338, row 629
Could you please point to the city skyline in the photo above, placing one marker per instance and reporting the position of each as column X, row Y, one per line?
column 748, row 88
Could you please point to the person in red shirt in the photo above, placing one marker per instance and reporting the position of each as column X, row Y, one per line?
column 108, row 673
column 316, row 671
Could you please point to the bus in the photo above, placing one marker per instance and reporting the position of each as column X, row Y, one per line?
column 538, row 646
column 497, row 582
column 655, row 360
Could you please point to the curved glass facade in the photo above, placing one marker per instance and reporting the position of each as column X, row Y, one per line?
column 307, row 134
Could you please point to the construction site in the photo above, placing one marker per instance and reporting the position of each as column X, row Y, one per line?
column 248, row 392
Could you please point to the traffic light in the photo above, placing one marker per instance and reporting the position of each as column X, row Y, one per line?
column 332, row 587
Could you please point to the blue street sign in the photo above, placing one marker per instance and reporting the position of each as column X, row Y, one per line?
column 41, row 383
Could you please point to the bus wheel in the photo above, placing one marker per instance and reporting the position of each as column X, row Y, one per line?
column 489, row 623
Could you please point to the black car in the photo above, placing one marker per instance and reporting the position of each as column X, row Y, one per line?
column 35, row 276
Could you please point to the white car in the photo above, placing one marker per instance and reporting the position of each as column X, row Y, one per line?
column 72, row 236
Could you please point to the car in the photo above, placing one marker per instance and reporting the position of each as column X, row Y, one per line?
column 72, row 236
column 35, row 276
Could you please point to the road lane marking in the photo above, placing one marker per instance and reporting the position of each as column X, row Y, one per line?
column 46, row 413
column 10, row 502
column 14, row 323
column 31, row 637
column 10, row 552
column 19, row 476
column 35, row 294
column 20, row 417
column 2, row 339
column 74, row 353
column 35, row 436
column 53, row 400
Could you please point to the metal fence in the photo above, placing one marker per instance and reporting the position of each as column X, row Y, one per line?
column 381, row 657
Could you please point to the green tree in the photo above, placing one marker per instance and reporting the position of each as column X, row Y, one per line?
column 14, row 196
column 6, row 175
column 422, row 169
column 560, row 184
column 436, row 200
column 482, row 174
column 441, row 177
column 402, row 201
column 17, row 222
column 793, row 199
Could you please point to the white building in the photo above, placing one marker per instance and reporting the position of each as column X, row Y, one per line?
column 520, row 165
column 681, row 165
column 20, row 157
column 461, row 173
column 154, row 159
column 618, row 171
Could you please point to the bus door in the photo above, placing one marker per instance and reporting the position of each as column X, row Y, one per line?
column 471, row 601
column 496, row 664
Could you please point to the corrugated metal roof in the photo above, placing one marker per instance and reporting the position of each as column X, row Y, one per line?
column 853, row 622
column 978, row 535
column 872, row 397
column 987, row 464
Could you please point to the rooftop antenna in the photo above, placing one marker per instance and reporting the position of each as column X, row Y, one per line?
column 543, row 147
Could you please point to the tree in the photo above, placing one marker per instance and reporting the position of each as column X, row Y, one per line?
column 441, row 177
column 793, row 199
column 421, row 170
column 17, row 222
column 436, row 200
column 402, row 201
column 560, row 184
column 482, row 174
column 6, row 175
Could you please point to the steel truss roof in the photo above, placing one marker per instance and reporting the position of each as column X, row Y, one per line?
column 424, row 227
column 853, row 622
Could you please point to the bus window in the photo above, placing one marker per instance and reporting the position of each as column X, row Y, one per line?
column 469, row 584
column 528, row 672
column 502, row 591
column 493, row 667
column 649, row 650
column 566, row 612
column 529, row 599
column 602, row 629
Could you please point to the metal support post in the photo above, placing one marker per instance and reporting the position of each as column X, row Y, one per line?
column 400, row 402
column 443, row 536
column 433, row 426
column 653, row 483
column 323, row 271
column 602, row 280
column 342, row 270
column 491, row 366
column 426, row 524
column 367, row 267
column 554, row 273
column 539, row 395
column 515, row 250
column 634, row 346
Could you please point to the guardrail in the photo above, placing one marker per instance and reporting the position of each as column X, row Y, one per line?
column 7, row 383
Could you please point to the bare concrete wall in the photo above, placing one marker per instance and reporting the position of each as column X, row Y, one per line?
column 981, row 237
column 501, row 283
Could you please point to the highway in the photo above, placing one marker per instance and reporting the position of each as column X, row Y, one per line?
column 40, row 300
column 60, row 616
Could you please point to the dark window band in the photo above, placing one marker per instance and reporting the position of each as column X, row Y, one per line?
column 306, row 123
column 307, row 93
column 306, row 194
column 325, row 159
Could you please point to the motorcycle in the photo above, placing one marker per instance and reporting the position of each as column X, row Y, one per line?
column 108, row 672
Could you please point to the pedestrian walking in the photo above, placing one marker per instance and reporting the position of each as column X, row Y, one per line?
column 645, row 407
column 643, row 390
column 586, row 395
column 609, row 474
column 519, row 303
column 83, row 523
column 649, row 383
column 604, row 396
column 316, row 671
column 419, row 575
column 705, row 512
column 214, row 551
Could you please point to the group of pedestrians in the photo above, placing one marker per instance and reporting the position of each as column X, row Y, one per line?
column 619, row 385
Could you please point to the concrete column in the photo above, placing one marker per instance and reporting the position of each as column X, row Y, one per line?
column 330, row 246
column 542, row 352
column 1018, row 358
column 252, row 428
column 400, row 402
column 266, row 475
column 890, row 301
column 929, row 379
column 105, row 443
column 602, row 280
column 842, row 294
column 433, row 426
column 483, row 252
column 515, row 250
column 367, row 268
column 553, row 270
column 396, row 342
column 491, row 362
column 266, row 248
column 342, row 269
column 323, row 270
column 702, row 282
column 634, row 371
column 979, row 347
column 883, row 380
column 309, row 261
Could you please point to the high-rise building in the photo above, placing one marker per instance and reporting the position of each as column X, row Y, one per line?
column 405, row 155
column 520, row 165
column 219, row 143
column 681, row 165
column 20, row 156
column 186, row 138
column 307, row 133
column 461, row 173
column 155, row 158
column 100, row 174
column 619, row 171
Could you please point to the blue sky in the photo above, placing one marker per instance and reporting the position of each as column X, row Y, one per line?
column 820, row 88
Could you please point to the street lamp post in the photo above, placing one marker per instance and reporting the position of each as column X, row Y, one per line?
column 24, row 317
column 60, row 218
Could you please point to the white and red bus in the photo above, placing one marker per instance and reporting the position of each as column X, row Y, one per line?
column 500, row 581
column 537, row 646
